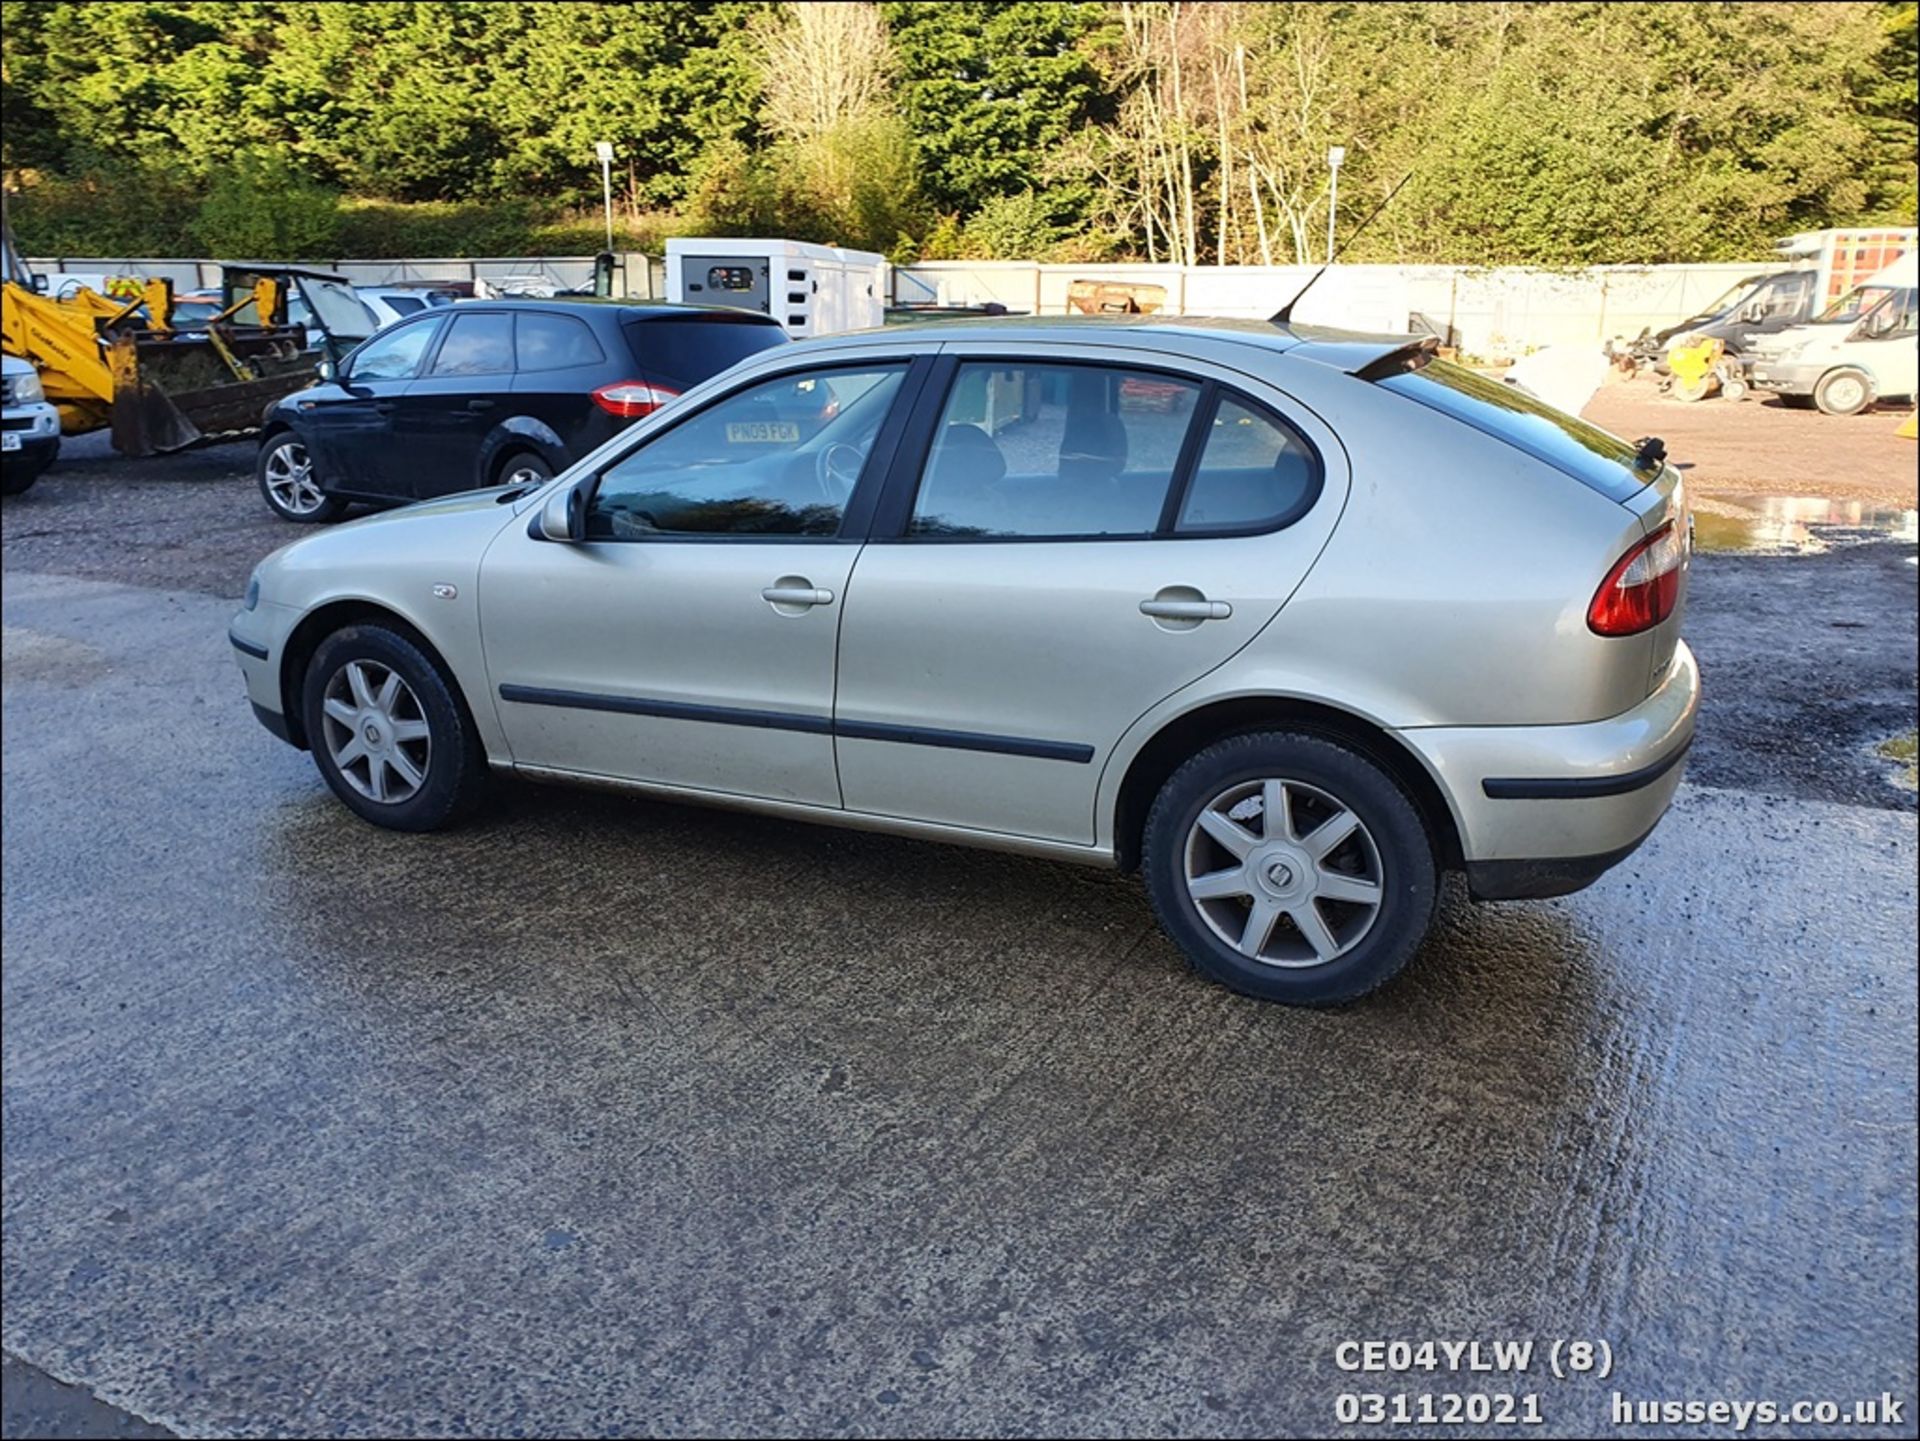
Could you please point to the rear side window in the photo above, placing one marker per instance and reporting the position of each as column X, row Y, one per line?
column 1254, row 473
column 554, row 342
column 1566, row 442
column 477, row 345
column 404, row 304
column 683, row 353
column 1053, row 451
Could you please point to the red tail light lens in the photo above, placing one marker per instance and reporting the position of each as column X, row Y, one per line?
column 1642, row 589
column 632, row 399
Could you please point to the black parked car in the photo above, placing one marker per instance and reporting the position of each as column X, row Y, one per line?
column 488, row 393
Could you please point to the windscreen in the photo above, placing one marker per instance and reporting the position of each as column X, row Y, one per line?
column 682, row 353
column 1566, row 442
column 340, row 310
column 1858, row 302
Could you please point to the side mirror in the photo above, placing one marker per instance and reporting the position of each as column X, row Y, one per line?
column 563, row 516
column 39, row 285
column 327, row 370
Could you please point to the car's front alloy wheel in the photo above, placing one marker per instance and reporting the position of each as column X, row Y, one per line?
column 389, row 732
column 1290, row 867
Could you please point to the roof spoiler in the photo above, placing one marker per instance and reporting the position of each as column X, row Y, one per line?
column 1414, row 355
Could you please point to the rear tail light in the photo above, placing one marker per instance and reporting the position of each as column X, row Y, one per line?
column 1642, row 589
column 632, row 399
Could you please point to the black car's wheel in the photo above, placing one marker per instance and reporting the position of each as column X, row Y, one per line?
column 1290, row 868
column 388, row 731
column 523, row 467
column 287, row 481
column 17, row 476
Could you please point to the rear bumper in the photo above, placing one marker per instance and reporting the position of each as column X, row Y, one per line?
column 1544, row 810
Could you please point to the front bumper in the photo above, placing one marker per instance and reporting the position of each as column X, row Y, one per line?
column 1543, row 810
column 258, row 638
column 32, row 433
column 1784, row 377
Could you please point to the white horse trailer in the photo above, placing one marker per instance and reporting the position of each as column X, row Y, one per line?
column 810, row 289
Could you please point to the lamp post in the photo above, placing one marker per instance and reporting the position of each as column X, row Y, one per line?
column 604, row 149
column 1336, row 155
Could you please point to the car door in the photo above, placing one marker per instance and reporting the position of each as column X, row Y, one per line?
column 1064, row 542
column 689, row 640
column 1883, row 345
column 350, row 424
column 465, row 390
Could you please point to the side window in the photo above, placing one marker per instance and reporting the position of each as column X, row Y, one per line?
column 778, row 458
column 1053, row 450
column 553, row 342
column 1254, row 473
column 405, row 304
column 477, row 345
column 395, row 355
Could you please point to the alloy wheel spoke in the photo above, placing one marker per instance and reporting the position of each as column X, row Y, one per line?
column 1276, row 811
column 388, row 690
column 342, row 712
column 377, row 777
column 410, row 730
column 1327, row 836
column 1338, row 886
column 1260, row 918
column 1315, row 931
column 355, row 749
column 1236, row 838
column 361, row 686
column 1220, row 884
column 404, row 767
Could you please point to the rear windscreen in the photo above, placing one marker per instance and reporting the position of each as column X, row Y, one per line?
column 682, row 353
column 1566, row 442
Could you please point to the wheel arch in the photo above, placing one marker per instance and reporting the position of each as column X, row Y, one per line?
column 1184, row 735
column 515, row 434
column 322, row 622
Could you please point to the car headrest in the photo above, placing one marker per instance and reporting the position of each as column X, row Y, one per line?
column 966, row 453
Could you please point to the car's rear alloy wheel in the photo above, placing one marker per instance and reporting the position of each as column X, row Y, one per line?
column 1290, row 867
column 288, row 482
column 1843, row 392
column 525, row 468
column 1283, row 872
column 389, row 732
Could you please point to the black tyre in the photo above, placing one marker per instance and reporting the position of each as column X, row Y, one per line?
column 289, row 485
column 1843, row 392
column 1290, row 868
column 18, row 476
column 523, row 467
column 389, row 732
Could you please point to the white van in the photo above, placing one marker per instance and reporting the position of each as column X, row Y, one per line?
column 1862, row 348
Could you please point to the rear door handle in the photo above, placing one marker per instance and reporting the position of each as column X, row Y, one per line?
column 384, row 407
column 796, row 595
column 1186, row 609
column 479, row 405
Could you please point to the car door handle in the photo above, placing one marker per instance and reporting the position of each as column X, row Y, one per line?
column 796, row 595
column 1186, row 609
column 384, row 407
column 479, row 405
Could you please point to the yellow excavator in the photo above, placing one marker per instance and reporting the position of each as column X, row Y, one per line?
column 122, row 362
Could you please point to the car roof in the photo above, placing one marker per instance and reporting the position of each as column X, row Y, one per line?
column 626, row 309
column 1342, row 349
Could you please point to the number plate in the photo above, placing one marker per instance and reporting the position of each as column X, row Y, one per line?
column 763, row 432
column 9, row 441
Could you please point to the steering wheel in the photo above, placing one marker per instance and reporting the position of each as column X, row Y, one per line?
column 839, row 467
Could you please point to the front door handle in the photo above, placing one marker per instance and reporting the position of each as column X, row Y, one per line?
column 479, row 405
column 1186, row 609
column 791, row 591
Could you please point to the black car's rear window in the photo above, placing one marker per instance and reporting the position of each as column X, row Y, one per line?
column 1587, row 453
column 683, row 353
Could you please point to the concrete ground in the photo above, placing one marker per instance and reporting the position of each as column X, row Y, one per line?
column 606, row 1117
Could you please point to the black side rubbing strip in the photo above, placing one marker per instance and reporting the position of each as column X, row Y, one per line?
column 790, row 721
column 671, row 709
column 1560, row 788
column 965, row 741
column 247, row 647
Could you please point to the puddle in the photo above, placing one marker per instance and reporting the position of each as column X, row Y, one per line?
column 1796, row 525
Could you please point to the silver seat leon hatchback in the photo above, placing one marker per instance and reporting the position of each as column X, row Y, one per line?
column 1290, row 620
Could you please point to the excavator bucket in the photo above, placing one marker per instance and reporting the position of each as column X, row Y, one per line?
column 172, row 391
